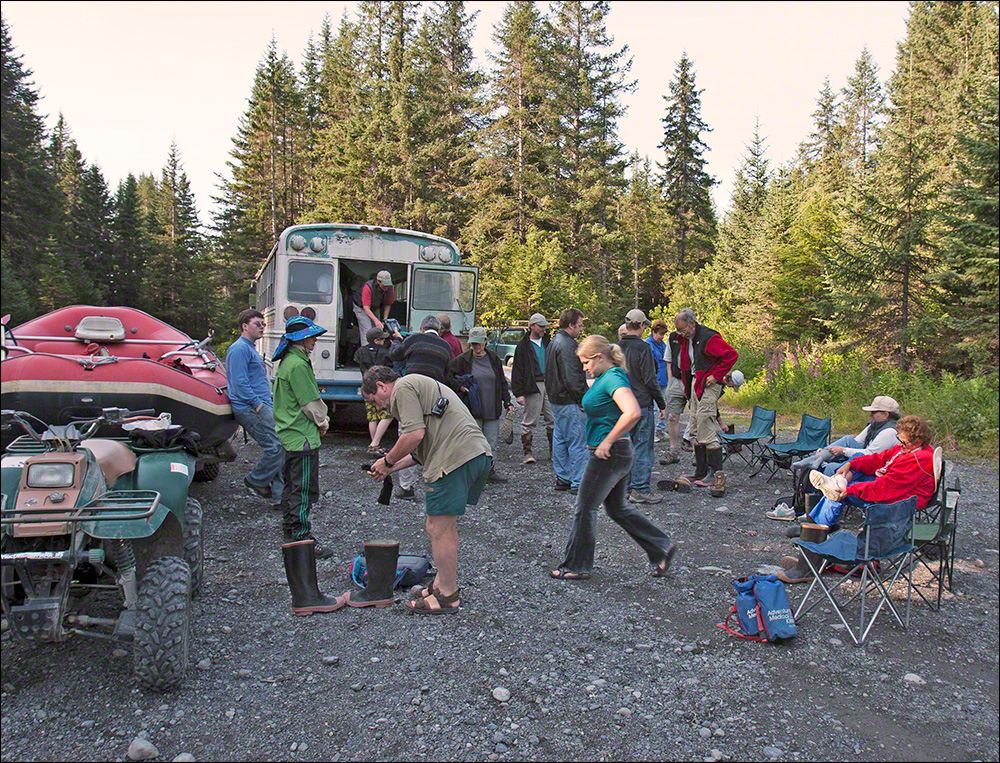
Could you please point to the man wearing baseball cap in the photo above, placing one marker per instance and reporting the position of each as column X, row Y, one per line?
column 527, row 382
column 646, row 388
column 373, row 301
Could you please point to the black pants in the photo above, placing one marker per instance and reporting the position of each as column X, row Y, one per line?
column 300, row 471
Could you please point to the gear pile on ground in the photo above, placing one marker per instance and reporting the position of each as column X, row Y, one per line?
column 619, row 667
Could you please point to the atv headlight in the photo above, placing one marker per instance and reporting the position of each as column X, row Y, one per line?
column 50, row 475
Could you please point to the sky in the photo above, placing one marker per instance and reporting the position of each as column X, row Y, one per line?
column 130, row 78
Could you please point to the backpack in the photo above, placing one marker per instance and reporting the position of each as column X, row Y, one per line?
column 410, row 570
column 762, row 609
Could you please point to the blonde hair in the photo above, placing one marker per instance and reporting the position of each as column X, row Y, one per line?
column 597, row 344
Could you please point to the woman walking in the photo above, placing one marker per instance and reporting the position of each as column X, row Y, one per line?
column 612, row 411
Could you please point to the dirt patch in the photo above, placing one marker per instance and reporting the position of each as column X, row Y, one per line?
column 623, row 666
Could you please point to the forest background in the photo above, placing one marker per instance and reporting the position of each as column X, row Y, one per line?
column 867, row 265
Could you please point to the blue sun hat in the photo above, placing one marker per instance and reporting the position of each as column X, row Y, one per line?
column 296, row 329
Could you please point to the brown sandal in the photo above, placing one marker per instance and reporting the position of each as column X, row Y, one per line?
column 446, row 604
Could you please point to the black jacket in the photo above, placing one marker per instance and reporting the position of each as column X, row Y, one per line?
column 565, row 380
column 372, row 355
column 462, row 365
column 642, row 372
column 526, row 373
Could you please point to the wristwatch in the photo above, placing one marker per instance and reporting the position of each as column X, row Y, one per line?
column 388, row 463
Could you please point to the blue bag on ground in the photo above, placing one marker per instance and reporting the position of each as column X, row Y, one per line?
column 410, row 570
column 762, row 609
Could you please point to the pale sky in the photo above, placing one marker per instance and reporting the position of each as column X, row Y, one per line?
column 130, row 77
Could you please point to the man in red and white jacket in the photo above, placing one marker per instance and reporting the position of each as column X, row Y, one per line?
column 705, row 359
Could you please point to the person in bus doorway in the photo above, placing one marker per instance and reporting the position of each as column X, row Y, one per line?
column 250, row 397
column 453, row 341
column 375, row 353
column 301, row 420
column 373, row 301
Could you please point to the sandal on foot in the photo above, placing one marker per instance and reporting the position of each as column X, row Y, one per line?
column 660, row 570
column 423, row 592
column 562, row 574
column 446, row 605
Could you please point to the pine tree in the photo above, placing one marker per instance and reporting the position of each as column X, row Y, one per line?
column 29, row 195
column 686, row 184
column 643, row 223
column 861, row 118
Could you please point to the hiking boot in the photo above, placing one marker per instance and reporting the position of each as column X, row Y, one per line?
column 263, row 492
column 528, row 458
column 669, row 458
column 494, row 477
column 562, row 485
column 405, row 494
column 637, row 497
column 687, row 445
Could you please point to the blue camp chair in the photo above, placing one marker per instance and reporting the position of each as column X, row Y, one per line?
column 746, row 445
column 813, row 434
column 881, row 553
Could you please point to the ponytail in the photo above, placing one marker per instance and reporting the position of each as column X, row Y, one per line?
column 618, row 357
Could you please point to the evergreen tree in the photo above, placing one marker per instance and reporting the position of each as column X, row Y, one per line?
column 686, row 184
column 130, row 245
column 29, row 195
column 862, row 115
column 644, row 228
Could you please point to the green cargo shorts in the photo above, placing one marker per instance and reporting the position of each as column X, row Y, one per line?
column 450, row 494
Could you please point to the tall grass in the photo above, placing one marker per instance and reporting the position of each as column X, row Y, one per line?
column 812, row 378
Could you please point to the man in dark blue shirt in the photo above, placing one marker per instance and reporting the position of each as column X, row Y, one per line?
column 250, row 398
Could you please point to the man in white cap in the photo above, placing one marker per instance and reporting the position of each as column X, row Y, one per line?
column 646, row 388
column 373, row 301
column 527, row 382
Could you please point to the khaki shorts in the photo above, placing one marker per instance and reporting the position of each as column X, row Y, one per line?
column 675, row 397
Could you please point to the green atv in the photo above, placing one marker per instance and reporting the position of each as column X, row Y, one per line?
column 84, row 517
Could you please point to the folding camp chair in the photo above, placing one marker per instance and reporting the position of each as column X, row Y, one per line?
column 934, row 532
column 813, row 434
column 746, row 445
column 881, row 553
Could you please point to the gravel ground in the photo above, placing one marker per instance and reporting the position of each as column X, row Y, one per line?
column 621, row 667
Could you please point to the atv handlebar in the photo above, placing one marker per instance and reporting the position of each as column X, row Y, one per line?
column 74, row 431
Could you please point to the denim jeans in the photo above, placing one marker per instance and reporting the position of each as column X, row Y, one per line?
column 569, row 443
column 827, row 512
column 260, row 426
column 605, row 481
column 830, row 467
column 642, row 441
column 661, row 424
column 491, row 431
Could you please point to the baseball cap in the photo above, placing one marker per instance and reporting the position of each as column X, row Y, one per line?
column 384, row 278
column 477, row 335
column 537, row 319
column 737, row 378
column 636, row 316
column 882, row 403
column 374, row 334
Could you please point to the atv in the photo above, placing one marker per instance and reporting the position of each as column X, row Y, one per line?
column 83, row 517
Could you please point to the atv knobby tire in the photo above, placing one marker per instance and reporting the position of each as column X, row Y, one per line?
column 207, row 473
column 163, row 624
column 193, row 553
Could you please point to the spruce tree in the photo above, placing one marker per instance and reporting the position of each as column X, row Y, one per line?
column 686, row 185
column 862, row 115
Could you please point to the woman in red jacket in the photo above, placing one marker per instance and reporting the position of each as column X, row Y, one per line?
column 887, row 477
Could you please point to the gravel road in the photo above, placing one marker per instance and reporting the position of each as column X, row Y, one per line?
column 620, row 667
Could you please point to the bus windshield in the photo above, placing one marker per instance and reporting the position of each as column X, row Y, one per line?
column 443, row 290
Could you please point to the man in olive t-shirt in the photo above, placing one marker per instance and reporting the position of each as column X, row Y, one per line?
column 437, row 431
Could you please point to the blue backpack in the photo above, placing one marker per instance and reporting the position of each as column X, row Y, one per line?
column 762, row 609
column 410, row 570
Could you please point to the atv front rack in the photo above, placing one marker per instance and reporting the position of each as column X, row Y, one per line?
column 114, row 506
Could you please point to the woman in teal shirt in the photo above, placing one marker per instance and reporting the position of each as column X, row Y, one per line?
column 612, row 411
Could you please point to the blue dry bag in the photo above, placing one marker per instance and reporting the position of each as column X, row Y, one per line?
column 762, row 609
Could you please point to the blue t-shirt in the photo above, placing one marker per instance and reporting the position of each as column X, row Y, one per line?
column 659, row 348
column 599, row 405
column 246, row 377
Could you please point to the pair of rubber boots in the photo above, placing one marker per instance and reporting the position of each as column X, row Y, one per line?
column 706, row 462
column 300, row 569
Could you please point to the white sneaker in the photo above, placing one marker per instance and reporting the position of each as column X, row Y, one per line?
column 831, row 487
column 782, row 512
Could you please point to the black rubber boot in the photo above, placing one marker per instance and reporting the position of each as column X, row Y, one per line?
column 701, row 464
column 801, row 572
column 300, row 569
column 380, row 561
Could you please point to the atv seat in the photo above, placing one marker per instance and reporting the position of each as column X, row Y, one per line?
column 114, row 458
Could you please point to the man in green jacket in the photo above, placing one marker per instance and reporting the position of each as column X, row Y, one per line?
column 300, row 418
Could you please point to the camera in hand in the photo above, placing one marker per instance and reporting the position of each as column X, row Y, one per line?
column 391, row 325
column 440, row 406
